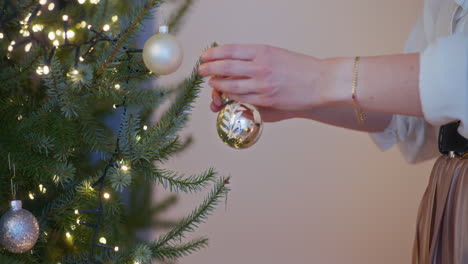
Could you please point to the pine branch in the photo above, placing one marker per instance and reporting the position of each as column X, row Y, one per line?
column 164, row 133
column 179, row 182
column 181, row 250
column 174, row 181
column 149, row 5
column 177, row 17
column 197, row 216
column 164, row 205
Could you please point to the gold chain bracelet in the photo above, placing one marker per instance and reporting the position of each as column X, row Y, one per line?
column 357, row 109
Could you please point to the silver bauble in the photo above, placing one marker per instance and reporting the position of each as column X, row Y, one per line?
column 239, row 125
column 162, row 53
column 19, row 229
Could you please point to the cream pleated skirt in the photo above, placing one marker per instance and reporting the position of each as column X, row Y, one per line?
column 442, row 225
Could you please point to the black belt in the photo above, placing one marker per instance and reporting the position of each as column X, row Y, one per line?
column 451, row 142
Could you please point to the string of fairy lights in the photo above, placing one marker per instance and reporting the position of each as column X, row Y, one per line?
column 61, row 38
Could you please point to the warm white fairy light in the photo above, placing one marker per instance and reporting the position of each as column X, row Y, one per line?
column 51, row 35
column 46, row 69
column 116, row 249
column 26, row 33
column 25, row 21
column 90, row 26
column 115, row 18
column 70, row 34
column 77, row 212
column 124, row 168
column 83, row 24
column 73, row 227
column 138, row 138
column 58, row 32
column 31, row 195
column 136, row 262
column 39, row 13
column 81, row 58
column 114, row 106
column 51, row 6
column 103, row 240
column 56, row 43
column 78, row 221
column 56, row 178
column 42, row 2
column 65, row 17
column 10, row 47
column 94, row 1
column 1, row 35
column 20, row 117
column 81, row 2
column 42, row 189
column 106, row 196
column 42, row 70
column 145, row 127
column 27, row 47
column 117, row 86
column 68, row 235
column 106, row 27
column 37, row 27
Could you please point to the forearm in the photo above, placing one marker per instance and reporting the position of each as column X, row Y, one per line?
column 386, row 84
column 343, row 116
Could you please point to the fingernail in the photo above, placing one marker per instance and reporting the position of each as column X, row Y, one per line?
column 213, row 108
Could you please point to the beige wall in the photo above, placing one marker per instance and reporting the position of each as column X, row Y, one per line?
column 306, row 193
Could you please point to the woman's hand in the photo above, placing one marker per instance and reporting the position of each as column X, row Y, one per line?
column 283, row 84
column 268, row 114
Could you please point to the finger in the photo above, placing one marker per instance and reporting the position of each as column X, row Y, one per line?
column 253, row 99
column 229, row 52
column 215, row 108
column 228, row 68
column 233, row 86
column 216, row 96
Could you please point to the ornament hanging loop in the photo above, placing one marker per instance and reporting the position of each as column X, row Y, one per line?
column 164, row 29
column 14, row 187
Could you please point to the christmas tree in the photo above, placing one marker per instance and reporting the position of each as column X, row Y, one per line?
column 67, row 67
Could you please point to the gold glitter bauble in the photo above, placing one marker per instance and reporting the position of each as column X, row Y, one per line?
column 239, row 125
column 19, row 229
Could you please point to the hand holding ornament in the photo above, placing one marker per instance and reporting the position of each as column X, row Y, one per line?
column 281, row 83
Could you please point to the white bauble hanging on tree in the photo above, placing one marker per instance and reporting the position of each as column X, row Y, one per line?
column 19, row 229
column 162, row 53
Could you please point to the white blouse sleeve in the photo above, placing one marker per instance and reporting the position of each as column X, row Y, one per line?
column 444, row 82
column 416, row 139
